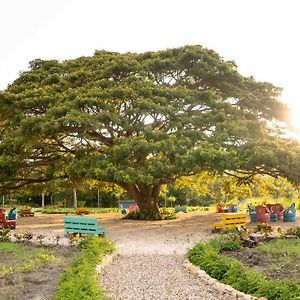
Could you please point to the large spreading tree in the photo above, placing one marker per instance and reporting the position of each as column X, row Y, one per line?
column 136, row 120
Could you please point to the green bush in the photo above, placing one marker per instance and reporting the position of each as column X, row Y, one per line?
column 167, row 213
column 298, row 231
column 229, row 271
column 4, row 235
column 79, row 281
column 66, row 211
column 228, row 242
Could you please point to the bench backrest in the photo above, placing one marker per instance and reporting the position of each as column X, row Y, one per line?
column 234, row 219
column 80, row 220
column 25, row 210
column 85, row 225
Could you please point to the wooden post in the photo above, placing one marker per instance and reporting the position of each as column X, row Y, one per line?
column 98, row 198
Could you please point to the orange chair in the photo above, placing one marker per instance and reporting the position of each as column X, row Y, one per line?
column 219, row 208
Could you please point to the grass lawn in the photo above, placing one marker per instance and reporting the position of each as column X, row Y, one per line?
column 28, row 271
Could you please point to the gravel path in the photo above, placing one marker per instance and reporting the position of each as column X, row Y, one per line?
column 153, row 277
column 151, row 261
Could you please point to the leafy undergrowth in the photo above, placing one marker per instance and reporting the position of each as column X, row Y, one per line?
column 79, row 281
column 19, row 257
column 24, row 266
column 208, row 256
column 165, row 213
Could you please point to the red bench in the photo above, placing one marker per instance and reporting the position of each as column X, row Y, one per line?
column 4, row 223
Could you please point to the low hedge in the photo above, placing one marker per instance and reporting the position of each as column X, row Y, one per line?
column 79, row 281
column 232, row 272
column 66, row 211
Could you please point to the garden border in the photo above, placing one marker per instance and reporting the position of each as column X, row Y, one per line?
column 224, row 289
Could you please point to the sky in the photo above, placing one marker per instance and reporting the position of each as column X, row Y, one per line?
column 261, row 36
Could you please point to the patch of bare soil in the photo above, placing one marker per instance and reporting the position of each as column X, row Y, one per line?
column 40, row 284
column 271, row 266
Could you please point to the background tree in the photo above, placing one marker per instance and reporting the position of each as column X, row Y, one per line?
column 136, row 120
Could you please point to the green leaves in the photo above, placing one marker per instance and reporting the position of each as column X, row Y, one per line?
column 136, row 118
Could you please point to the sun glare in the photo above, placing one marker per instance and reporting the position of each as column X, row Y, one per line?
column 295, row 120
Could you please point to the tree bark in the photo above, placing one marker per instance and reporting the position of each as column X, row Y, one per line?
column 43, row 200
column 147, row 198
column 148, row 207
column 74, row 198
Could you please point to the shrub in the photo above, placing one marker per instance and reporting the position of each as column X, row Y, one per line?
column 4, row 235
column 226, row 243
column 298, row 232
column 232, row 272
column 79, row 281
column 167, row 213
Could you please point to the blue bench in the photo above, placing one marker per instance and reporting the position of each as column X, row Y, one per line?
column 179, row 208
column 82, row 225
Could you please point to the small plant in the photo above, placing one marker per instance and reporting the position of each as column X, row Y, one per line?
column 298, row 232
column 74, row 239
column 40, row 237
column 28, row 235
column 167, row 213
column 4, row 235
column 294, row 231
column 264, row 228
column 19, row 236
column 57, row 239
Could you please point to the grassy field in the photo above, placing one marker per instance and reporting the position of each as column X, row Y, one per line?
column 31, row 271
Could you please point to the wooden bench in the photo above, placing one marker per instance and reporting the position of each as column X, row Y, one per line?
column 179, row 208
column 82, row 211
column 4, row 223
column 231, row 221
column 82, row 225
column 26, row 212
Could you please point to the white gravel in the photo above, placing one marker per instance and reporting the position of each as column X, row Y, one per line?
column 150, row 264
column 153, row 277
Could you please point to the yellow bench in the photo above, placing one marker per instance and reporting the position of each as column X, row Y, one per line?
column 231, row 220
column 82, row 211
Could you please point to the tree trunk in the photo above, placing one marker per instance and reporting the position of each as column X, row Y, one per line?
column 43, row 200
column 98, row 198
column 147, row 198
column 148, row 208
column 74, row 198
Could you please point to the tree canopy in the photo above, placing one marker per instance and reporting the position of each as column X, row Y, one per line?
column 137, row 120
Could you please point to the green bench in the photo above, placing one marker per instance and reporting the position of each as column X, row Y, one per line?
column 82, row 225
column 179, row 208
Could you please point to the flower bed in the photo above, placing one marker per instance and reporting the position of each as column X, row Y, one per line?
column 213, row 258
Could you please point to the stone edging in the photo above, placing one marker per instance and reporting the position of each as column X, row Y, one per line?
column 223, row 289
column 106, row 260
